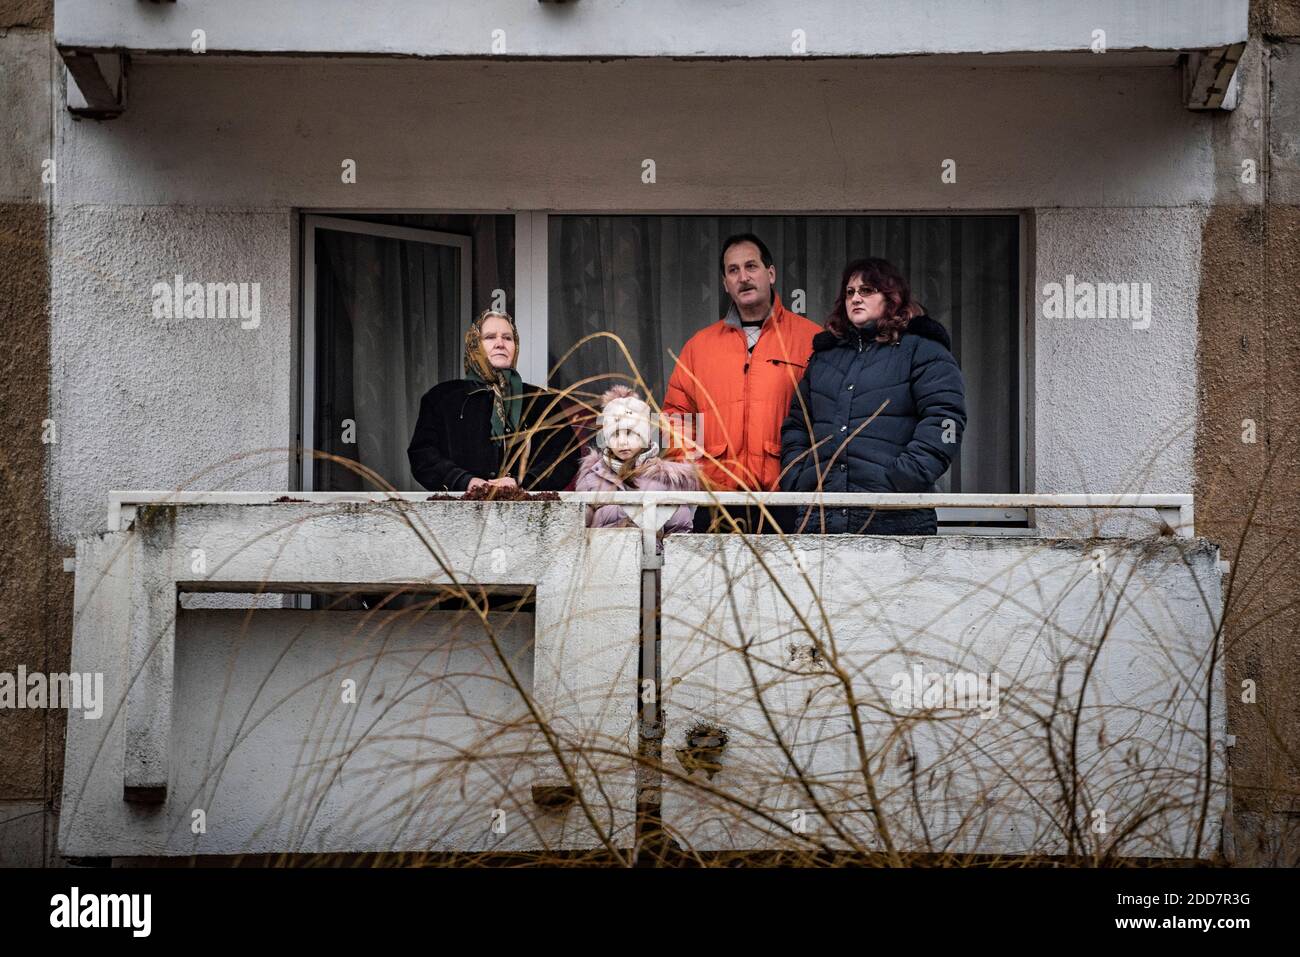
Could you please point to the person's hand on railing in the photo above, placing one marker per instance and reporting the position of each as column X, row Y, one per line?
column 505, row 482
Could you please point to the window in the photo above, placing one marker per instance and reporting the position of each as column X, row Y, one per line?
column 386, row 304
column 654, row 281
column 386, row 299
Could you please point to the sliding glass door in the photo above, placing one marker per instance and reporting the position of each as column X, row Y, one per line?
column 387, row 310
column 387, row 298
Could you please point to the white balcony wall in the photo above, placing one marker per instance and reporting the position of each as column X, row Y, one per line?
column 1086, row 712
column 244, row 715
column 247, row 716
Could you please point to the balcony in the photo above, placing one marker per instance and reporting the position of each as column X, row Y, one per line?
column 539, row 684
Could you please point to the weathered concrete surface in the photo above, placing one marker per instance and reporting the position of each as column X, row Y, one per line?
column 35, row 594
column 1275, row 19
column 25, row 121
column 1114, row 406
column 22, row 833
column 145, row 402
column 1283, row 178
column 190, row 138
column 24, row 368
column 35, row 14
column 423, row 692
column 267, row 748
column 1239, row 137
column 738, row 656
column 669, row 28
column 1248, row 499
column 1248, row 445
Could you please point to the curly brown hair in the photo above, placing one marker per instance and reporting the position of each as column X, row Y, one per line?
column 900, row 307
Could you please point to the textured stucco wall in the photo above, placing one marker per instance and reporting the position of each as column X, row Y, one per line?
column 145, row 402
column 1275, row 19
column 24, row 369
column 1115, row 405
column 26, row 555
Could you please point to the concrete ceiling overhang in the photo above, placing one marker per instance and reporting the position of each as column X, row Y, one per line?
column 97, row 38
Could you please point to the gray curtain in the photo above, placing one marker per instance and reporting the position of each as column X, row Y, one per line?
column 387, row 329
column 654, row 281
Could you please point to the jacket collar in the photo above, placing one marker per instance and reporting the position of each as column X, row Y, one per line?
column 611, row 465
column 921, row 325
column 732, row 318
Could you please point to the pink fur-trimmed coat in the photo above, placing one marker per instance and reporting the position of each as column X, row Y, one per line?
column 660, row 475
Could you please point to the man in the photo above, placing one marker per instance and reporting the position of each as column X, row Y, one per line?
column 738, row 375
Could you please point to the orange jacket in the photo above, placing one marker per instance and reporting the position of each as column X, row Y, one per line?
column 742, row 398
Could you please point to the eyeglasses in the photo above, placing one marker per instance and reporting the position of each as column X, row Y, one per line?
column 864, row 290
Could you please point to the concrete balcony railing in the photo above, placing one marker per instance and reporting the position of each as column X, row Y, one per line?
column 959, row 693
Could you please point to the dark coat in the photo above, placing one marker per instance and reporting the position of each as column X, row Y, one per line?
column 453, row 439
column 901, row 450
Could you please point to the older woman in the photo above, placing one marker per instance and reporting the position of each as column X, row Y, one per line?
column 491, row 428
column 881, row 406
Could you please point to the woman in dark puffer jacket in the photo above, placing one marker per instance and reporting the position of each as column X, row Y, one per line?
column 880, row 356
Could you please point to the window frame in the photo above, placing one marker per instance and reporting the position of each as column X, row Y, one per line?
column 311, row 223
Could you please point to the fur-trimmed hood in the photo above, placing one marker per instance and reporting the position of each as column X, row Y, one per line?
column 921, row 325
column 657, row 475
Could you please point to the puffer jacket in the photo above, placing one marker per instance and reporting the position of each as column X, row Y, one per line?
column 920, row 394
column 741, row 397
column 660, row 475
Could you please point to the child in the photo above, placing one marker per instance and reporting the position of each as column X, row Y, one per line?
column 625, row 459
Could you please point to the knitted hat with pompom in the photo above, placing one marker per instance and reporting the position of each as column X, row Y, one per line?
column 623, row 410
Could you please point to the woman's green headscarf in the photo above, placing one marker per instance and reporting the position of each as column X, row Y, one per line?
column 506, row 384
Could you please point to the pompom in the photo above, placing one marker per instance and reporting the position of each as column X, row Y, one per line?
column 617, row 392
